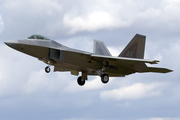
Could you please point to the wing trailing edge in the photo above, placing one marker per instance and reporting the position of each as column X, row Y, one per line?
column 141, row 67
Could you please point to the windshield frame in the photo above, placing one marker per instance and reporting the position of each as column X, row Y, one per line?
column 37, row 37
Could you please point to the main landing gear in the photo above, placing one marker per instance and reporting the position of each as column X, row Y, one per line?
column 81, row 81
column 104, row 78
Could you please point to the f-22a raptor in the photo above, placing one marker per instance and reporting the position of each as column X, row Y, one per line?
column 100, row 62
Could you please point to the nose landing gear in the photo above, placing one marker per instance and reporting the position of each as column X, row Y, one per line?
column 47, row 69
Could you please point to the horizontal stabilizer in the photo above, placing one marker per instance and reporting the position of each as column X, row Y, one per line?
column 135, row 48
column 158, row 70
column 100, row 48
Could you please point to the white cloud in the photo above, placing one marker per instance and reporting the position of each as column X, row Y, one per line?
column 14, row 71
column 115, row 51
column 36, row 16
column 1, row 24
column 163, row 15
column 37, row 81
column 98, row 15
column 133, row 92
column 24, row 76
column 112, row 14
column 41, row 7
column 59, row 17
column 80, row 43
column 169, row 12
column 89, row 85
column 171, row 58
column 93, row 22
column 150, row 14
column 94, row 84
column 21, row 74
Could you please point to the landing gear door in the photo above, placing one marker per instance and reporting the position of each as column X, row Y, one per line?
column 54, row 54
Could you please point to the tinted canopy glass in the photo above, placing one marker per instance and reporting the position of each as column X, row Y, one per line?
column 39, row 37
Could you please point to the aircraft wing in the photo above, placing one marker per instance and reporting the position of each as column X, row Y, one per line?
column 129, row 65
column 158, row 70
column 122, row 59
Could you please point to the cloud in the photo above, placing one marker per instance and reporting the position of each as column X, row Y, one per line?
column 24, row 84
column 14, row 71
column 164, row 15
column 173, row 53
column 1, row 24
column 133, row 92
column 94, row 84
column 82, row 43
column 112, row 14
column 59, row 18
column 36, row 16
column 98, row 15
column 115, row 51
column 38, row 81
column 26, row 75
column 93, row 22
column 41, row 7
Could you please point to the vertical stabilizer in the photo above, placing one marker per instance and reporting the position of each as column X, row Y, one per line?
column 135, row 48
column 100, row 48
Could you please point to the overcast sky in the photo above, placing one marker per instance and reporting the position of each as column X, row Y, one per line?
column 28, row 93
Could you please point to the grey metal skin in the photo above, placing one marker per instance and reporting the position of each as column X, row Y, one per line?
column 98, row 63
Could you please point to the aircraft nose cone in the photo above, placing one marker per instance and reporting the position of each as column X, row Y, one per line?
column 11, row 43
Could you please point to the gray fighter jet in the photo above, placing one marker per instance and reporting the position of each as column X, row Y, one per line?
column 100, row 62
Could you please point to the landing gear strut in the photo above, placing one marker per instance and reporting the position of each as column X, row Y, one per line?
column 48, row 69
column 80, row 81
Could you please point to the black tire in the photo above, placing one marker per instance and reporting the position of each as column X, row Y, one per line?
column 47, row 69
column 80, row 81
column 105, row 78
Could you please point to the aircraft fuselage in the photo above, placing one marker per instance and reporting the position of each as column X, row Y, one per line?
column 100, row 62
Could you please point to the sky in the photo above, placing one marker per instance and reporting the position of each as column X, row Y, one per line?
column 27, row 92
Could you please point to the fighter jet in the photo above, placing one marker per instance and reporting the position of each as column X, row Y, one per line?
column 100, row 62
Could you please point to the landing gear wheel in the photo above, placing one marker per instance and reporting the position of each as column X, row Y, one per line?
column 105, row 78
column 47, row 69
column 80, row 81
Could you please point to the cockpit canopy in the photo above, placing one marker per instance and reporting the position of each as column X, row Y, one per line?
column 38, row 37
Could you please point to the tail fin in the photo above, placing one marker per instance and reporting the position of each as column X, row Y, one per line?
column 100, row 48
column 135, row 48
